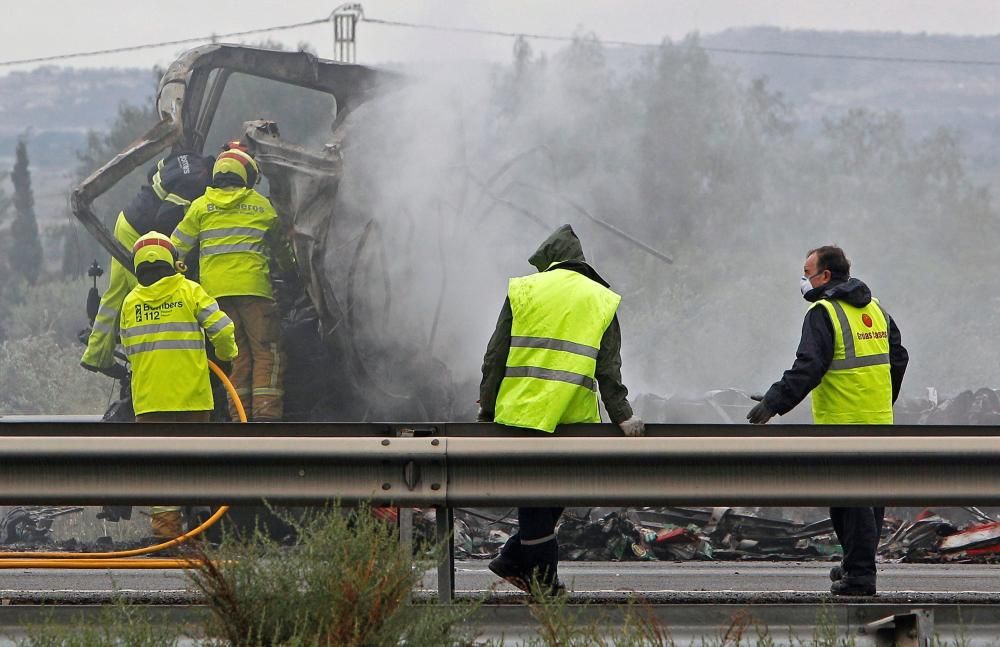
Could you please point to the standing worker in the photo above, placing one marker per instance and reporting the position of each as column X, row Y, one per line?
column 556, row 340
column 162, row 323
column 159, row 205
column 850, row 357
column 236, row 230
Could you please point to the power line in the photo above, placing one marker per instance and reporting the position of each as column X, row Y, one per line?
column 720, row 50
column 182, row 41
column 509, row 34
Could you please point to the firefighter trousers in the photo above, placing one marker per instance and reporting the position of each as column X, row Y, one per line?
column 259, row 369
column 166, row 520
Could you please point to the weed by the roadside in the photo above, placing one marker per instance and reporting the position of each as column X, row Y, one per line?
column 121, row 625
column 347, row 583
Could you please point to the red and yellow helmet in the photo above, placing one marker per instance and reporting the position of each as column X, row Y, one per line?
column 153, row 247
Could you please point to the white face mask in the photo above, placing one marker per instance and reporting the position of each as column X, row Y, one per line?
column 805, row 285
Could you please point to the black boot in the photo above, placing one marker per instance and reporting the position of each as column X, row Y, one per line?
column 851, row 586
column 510, row 565
column 836, row 573
column 543, row 564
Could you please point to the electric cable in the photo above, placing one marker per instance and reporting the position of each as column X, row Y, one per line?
column 869, row 58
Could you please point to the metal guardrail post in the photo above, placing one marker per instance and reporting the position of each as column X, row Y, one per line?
column 445, row 520
column 913, row 629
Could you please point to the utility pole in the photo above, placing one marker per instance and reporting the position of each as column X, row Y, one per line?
column 344, row 20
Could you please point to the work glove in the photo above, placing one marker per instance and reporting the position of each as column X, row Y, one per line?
column 634, row 427
column 760, row 414
column 115, row 370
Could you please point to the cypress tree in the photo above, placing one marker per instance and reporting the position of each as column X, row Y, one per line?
column 26, row 252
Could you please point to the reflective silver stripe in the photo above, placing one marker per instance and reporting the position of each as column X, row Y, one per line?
column 845, row 330
column 535, row 542
column 551, row 374
column 207, row 312
column 859, row 362
column 149, row 329
column 107, row 312
column 554, row 344
column 217, row 327
column 183, row 238
column 103, row 328
column 253, row 232
column 167, row 344
column 230, row 249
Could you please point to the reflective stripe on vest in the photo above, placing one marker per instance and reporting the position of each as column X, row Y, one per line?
column 857, row 388
column 559, row 318
column 551, row 374
column 213, row 250
column 166, row 344
column 150, row 329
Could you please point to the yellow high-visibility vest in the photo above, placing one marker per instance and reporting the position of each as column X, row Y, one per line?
column 230, row 226
column 560, row 317
column 857, row 388
column 163, row 328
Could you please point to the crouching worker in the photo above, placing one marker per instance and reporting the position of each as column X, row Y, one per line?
column 164, row 320
column 557, row 340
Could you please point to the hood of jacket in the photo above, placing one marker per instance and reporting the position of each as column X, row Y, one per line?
column 159, row 292
column 563, row 248
column 562, row 245
column 852, row 291
column 226, row 197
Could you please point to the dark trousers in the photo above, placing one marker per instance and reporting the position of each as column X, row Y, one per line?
column 858, row 530
column 533, row 548
column 537, row 523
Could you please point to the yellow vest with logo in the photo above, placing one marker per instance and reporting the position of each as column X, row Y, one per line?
column 163, row 329
column 857, row 388
column 559, row 319
column 230, row 226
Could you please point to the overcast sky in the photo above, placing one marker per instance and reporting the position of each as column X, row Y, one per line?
column 42, row 28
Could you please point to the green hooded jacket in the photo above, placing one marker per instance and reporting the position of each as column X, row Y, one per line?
column 562, row 247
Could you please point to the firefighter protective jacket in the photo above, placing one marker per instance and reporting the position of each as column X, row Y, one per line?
column 236, row 230
column 158, row 206
column 163, row 328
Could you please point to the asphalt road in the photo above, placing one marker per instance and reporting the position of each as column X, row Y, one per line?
column 778, row 579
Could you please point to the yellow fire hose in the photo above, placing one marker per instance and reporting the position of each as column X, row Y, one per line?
column 117, row 559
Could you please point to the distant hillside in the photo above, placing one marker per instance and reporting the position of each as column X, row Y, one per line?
column 928, row 96
column 59, row 105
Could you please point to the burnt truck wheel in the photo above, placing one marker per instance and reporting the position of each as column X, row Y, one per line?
column 16, row 526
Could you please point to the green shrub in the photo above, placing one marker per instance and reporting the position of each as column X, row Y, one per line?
column 347, row 583
column 122, row 625
column 40, row 376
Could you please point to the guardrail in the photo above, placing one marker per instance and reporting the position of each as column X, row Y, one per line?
column 456, row 464
column 483, row 464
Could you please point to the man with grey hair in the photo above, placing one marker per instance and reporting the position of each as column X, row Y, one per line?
column 852, row 360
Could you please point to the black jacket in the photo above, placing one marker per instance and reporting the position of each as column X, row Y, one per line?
column 185, row 176
column 564, row 247
column 815, row 352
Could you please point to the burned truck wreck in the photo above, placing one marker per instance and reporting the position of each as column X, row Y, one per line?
column 339, row 365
